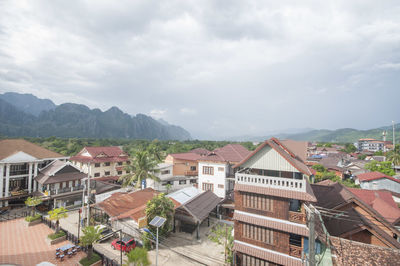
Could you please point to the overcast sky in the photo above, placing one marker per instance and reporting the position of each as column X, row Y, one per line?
column 217, row 68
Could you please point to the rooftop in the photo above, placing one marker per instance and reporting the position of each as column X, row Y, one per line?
column 367, row 177
column 10, row 147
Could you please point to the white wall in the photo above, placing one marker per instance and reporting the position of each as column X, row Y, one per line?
column 219, row 177
column 381, row 184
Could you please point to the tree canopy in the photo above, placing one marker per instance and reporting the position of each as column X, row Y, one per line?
column 162, row 206
column 383, row 167
column 91, row 234
column 58, row 214
column 137, row 257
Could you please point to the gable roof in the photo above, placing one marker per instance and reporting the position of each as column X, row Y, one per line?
column 188, row 156
column 367, row 177
column 121, row 205
column 233, row 153
column 298, row 147
column 110, row 151
column 101, row 154
column 184, row 195
column 284, row 151
column 200, row 151
column 56, row 172
column 9, row 147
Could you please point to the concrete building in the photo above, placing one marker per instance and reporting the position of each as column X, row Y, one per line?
column 271, row 188
column 215, row 169
column 20, row 161
column 103, row 163
column 371, row 145
column 377, row 181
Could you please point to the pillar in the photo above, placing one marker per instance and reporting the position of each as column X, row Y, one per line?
column 1, row 183
column 7, row 191
column 197, row 231
column 30, row 178
column 35, row 184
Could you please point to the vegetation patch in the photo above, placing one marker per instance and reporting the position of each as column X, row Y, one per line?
column 33, row 218
column 86, row 262
column 59, row 234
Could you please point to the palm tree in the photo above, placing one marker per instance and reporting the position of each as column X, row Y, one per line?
column 58, row 214
column 33, row 202
column 142, row 166
column 91, row 234
column 137, row 257
column 394, row 157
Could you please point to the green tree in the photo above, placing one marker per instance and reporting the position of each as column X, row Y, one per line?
column 91, row 234
column 58, row 214
column 141, row 167
column 394, row 157
column 162, row 206
column 383, row 167
column 319, row 168
column 349, row 148
column 222, row 235
column 168, row 187
column 137, row 257
column 33, row 202
column 155, row 151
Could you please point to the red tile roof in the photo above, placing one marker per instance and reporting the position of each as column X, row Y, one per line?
column 110, row 151
column 366, row 177
column 188, row 156
column 9, row 147
column 101, row 154
column 233, row 153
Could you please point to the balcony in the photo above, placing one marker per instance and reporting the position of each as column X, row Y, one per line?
column 298, row 185
column 297, row 217
column 191, row 173
column 65, row 190
column 295, row 251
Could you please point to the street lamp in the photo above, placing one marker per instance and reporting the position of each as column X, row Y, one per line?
column 156, row 222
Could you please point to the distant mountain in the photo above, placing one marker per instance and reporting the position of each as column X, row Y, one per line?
column 78, row 121
column 28, row 103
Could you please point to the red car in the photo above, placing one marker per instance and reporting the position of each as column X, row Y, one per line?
column 127, row 244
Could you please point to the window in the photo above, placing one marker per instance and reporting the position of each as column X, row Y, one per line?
column 257, row 201
column 220, row 169
column 128, row 171
column 96, row 174
column 97, row 165
column 119, row 172
column 192, row 168
column 165, row 172
column 193, row 181
column 119, row 163
column 167, row 182
column 251, row 261
column 107, row 173
column 207, row 170
column 220, row 186
column 107, row 164
column 257, row 233
column 208, row 186
column 182, row 182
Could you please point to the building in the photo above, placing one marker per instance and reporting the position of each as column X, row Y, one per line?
column 377, row 181
column 62, row 183
column 103, row 163
column 20, row 162
column 215, row 169
column 371, row 145
column 361, row 215
column 271, row 189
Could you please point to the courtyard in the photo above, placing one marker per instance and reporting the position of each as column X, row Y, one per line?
column 21, row 245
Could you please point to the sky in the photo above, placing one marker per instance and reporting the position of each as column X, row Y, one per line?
column 217, row 68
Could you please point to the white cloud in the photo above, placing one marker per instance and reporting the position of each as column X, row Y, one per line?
column 157, row 114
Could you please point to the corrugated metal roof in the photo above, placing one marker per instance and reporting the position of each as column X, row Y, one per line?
column 184, row 195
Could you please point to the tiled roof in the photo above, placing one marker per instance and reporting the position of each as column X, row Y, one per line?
column 110, row 151
column 298, row 147
column 284, row 151
column 200, row 151
column 283, row 193
column 233, row 153
column 57, row 172
column 189, row 156
column 366, row 177
column 133, row 204
column 101, row 154
column 85, row 159
column 9, row 147
column 349, row 252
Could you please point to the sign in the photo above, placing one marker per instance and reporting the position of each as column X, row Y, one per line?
column 142, row 222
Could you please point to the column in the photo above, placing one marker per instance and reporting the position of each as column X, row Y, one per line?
column 1, row 183
column 7, row 191
column 30, row 178
column 35, row 184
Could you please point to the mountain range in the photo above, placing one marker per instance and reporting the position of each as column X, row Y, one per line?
column 25, row 115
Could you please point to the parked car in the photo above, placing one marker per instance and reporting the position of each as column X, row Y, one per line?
column 127, row 244
column 106, row 232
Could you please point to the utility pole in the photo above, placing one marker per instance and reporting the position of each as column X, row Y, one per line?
column 311, row 239
column 394, row 138
column 88, row 197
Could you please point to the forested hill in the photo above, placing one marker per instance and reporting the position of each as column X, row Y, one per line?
column 78, row 121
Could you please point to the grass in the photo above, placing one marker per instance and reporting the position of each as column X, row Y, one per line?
column 56, row 235
column 86, row 262
column 32, row 218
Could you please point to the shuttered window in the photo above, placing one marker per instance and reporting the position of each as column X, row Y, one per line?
column 257, row 201
column 257, row 233
column 253, row 261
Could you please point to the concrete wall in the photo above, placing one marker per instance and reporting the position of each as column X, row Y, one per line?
column 381, row 184
column 218, row 179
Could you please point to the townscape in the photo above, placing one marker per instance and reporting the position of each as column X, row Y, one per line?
column 284, row 203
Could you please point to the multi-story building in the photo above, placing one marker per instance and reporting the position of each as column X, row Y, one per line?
column 215, row 169
column 271, row 189
column 371, row 145
column 20, row 161
column 102, row 163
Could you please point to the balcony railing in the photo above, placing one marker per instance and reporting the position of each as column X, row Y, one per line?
column 191, row 173
column 297, row 217
column 271, row 182
column 295, row 251
column 65, row 190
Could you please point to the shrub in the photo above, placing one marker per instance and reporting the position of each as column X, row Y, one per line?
column 56, row 235
column 33, row 218
column 146, row 240
column 86, row 262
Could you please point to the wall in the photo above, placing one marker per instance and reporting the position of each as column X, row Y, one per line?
column 218, row 179
column 381, row 184
column 181, row 166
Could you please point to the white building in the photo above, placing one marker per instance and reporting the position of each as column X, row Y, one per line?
column 377, row 181
column 20, row 161
column 215, row 169
column 371, row 145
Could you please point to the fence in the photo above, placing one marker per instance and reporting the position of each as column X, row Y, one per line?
column 74, row 239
